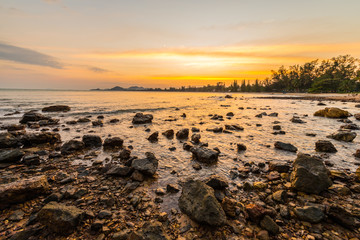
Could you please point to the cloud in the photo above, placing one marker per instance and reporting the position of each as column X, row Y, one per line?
column 27, row 56
column 97, row 69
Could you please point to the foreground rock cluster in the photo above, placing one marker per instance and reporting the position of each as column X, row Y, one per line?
column 44, row 196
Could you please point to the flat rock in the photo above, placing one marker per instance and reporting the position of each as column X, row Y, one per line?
column 344, row 136
column 11, row 156
column 56, row 108
column 72, row 146
column 205, row 155
column 325, row 146
column 92, row 141
column 310, row 214
column 285, row 146
column 146, row 165
column 332, row 113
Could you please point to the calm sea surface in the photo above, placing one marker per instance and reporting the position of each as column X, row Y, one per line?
column 257, row 134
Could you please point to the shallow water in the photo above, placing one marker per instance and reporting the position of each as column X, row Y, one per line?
column 197, row 106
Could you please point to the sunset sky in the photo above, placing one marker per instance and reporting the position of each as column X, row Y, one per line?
column 83, row 44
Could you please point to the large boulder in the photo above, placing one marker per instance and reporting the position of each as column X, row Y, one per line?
column 11, row 156
column 72, row 146
column 60, row 218
column 8, row 140
column 325, row 146
column 92, row 141
column 345, row 136
column 198, row 201
column 309, row 174
column 56, row 108
column 285, row 146
column 332, row 113
column 141, row 118
column 22, row 190
column 114, row 142
column 205, row 155
column 146, row 165
column 32, row 117
column 34, row 139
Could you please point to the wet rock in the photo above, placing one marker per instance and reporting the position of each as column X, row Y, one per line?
column 137, row 176
column 310, row 174
column 114, row 120
column 172, row 188
column 277, row 127
column 17, row 215
column 205, row 155
column 104, row 214
column 198, row 167
column 125, row 154
column 332, row 113
column 345, row 136
column 141, row 118
column 357, row 116
column 296, row 119
column 229, row 205
column 342, row 217
column 169, row 133
column 97, row 123
column 119, row 170
column 114, row 142
column 32, row 117
column 217, row 182
column 14, row 127
column 8, row 140
column 285, row 146
column 60, row 218
column 56, row 108
column 182, row 134
column 147, row 166
column 22, row 190
column 196, row 138
column 83, row 120
column 34, row 139
column 310, row 214
column 280, row 196
column 11, row 156
column 197, row 200
column 234, row 127
column 280, row 167
column 241, row 147
column 31, row 160
column 268, row 224
column 255, row 212
column 92, row 141
column 350, row 126
column 325, row 146
column 149, row 231
column 72, row 146
column 154, row 137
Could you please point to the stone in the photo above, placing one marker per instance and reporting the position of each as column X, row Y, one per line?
column 296, row 119
column 60, row 218
column 357, row 116
column 310, row 214
column 229, row 205
column 16, row 215
column 72, row 146
column 32, row 117
column 31, row 160
column 204, row 155
column 92, row 141
column 268, row 224
column 119, row 171
column 344, row 136
column 141, row 118
column 325, row 146
column 83, row 120
column 114, row 142
column 217, row 182
column 342, row 217
column 280, row 196
column 8, row 140
column 104, row 214
column 97, row 123
column 285, row 146
column 309, row 175
column 34, row 139
column 182, row 134
column 56, row 108
column 22, row 190
column 332, row 113
column 280, row 167
column 356, row 154
column 147, row 166
column 169, row 134
column 241, row 147
column 172, row 188
column 196, row 138
column 198, row 201
column 122, row 235
column 149, row 231
column 154, row 137
column 14, row 127
column 255, row 212
column 11, row 156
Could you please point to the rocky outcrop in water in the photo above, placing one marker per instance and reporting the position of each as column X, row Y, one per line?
column 72, row 146
column 325, row 146
column 141, row 118
column 92, row 141
column 332, row 113
column 56, row 108
column 204, row 155
column 345, row 136
column 285, row 146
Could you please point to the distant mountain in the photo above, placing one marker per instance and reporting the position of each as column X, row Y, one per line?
column 117, row 88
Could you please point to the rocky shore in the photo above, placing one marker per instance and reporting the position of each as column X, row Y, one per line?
column 43, row 195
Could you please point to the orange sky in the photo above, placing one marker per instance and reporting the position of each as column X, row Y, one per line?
column 159, row 43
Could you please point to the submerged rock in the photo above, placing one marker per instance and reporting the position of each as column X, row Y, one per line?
column 205, row 155
column 72, row 146
column 56, row 108
column 285, row 146
column 91, row 141
column 344, row 136
column 141, row 118
column 114, row 142
column 146, row 165
column 309, row 175
column 325, row 146
column 198, row 201
column 60, row 218
column 332, row 113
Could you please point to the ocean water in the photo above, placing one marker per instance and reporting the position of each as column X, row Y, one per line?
column 257, row 134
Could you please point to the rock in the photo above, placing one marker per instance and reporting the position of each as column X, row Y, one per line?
column 356, row 154
column 280, row 196
column 32, row 117
column 7, row 140
column 56, row 108
column 230, row 114
column 114, row 142
column 122, row 235
column 217, row 182
column 125, row 154
column 60, row 218
column 349, row 126
column 332, row 113
column 153, row 137
column 97, row 123
column 92, row 141
column 198, row 201
column 34, row 139
column 342, row 217
column 285, row 146
column 229, row 206
column 147, row 166
column 255, row 212
column 172, row 188
column 120, row 171
column 241, row 147
column 198, row 167
column 345, row 136
column 22, row 190
column 262, row 235
column 310, row 214
column 196, row 138
column 114, row 120
column 11, row 156
column 104, row 214
column 31, row 160
column 309, row 175
column 149, row 231
column 268, row 224
column 276, row 127
column 137, row 176
column 357, row 116
column 234, row 127
column 325, row 146
column 205, row 155
column 169, row 134
column 280, row 167
column 17, row 215
column 296, row 119
column 228, row 96
column 141, row 118
column 83, row 120
column 182, row 134
column 71, row 147
column 14, row 127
